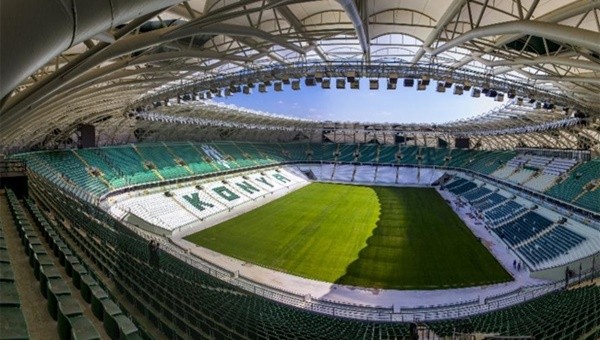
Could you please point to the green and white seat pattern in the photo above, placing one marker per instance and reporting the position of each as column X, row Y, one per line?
column 191, row 205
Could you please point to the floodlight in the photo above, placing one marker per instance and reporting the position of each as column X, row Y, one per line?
column 458, row 90
column 278, row 86
column 351, row 76
column 441, row 88
column 296, row 85
column 476, row 93
column 374, row 84
column 326, row 84
column 340, row 83
column 409, row 82
column 319, row 77
column 262, row 88
column 355, row 85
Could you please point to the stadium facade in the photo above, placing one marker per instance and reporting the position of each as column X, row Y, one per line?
column 108, row 141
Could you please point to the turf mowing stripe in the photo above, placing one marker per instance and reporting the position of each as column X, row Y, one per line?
column 382, row 237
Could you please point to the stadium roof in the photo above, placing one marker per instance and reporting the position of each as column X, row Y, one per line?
column 68, row 63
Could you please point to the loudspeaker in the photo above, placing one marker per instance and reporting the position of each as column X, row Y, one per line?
column 87, row 135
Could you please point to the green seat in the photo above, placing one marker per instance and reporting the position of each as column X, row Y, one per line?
column 58, row 244
column 9, row 295
column 47, row 273
column 4, row 256
column 98, row 295
column 39, row 261
column 87, row 282
column 63, row 252
column 12, row 323
column 78, row 271
column 127, row 329
column 33, row 250
column 68, row 307
column 70, row 261
column 26, row 233
column 31, row 239
column 56, row 289
column 111, row 310
column 6, row 272
column 53, row 238
column 83, row 329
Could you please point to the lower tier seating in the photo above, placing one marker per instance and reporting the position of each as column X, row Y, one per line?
column 554, row 243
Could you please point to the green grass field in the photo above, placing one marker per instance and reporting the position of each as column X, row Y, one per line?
column 381, row 237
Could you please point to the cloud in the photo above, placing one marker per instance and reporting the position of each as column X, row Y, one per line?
column 280, row 102
column 312, row 109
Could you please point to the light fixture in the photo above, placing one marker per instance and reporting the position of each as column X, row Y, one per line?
column 374, row 84
column 441, row 87
column 296, row 85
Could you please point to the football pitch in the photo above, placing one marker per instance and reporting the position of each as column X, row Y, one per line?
column 376, row 237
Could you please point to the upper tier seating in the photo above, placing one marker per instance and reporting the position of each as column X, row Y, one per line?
column 90, row 173
column 590, row 200
column 68, row 168
column 535, row 172
column 346, row 153
column 541, row 182
column 387, row 154
column 409, row 154
column 433, row 156
column 368, row 153
column 573, row 185
column 163, row 159
column 521, row 176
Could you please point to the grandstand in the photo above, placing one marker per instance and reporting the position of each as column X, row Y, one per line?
column 117, row 155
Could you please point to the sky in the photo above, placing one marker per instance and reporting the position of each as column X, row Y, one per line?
column 403, row 105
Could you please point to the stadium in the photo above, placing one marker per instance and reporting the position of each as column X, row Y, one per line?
column 137, row 203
